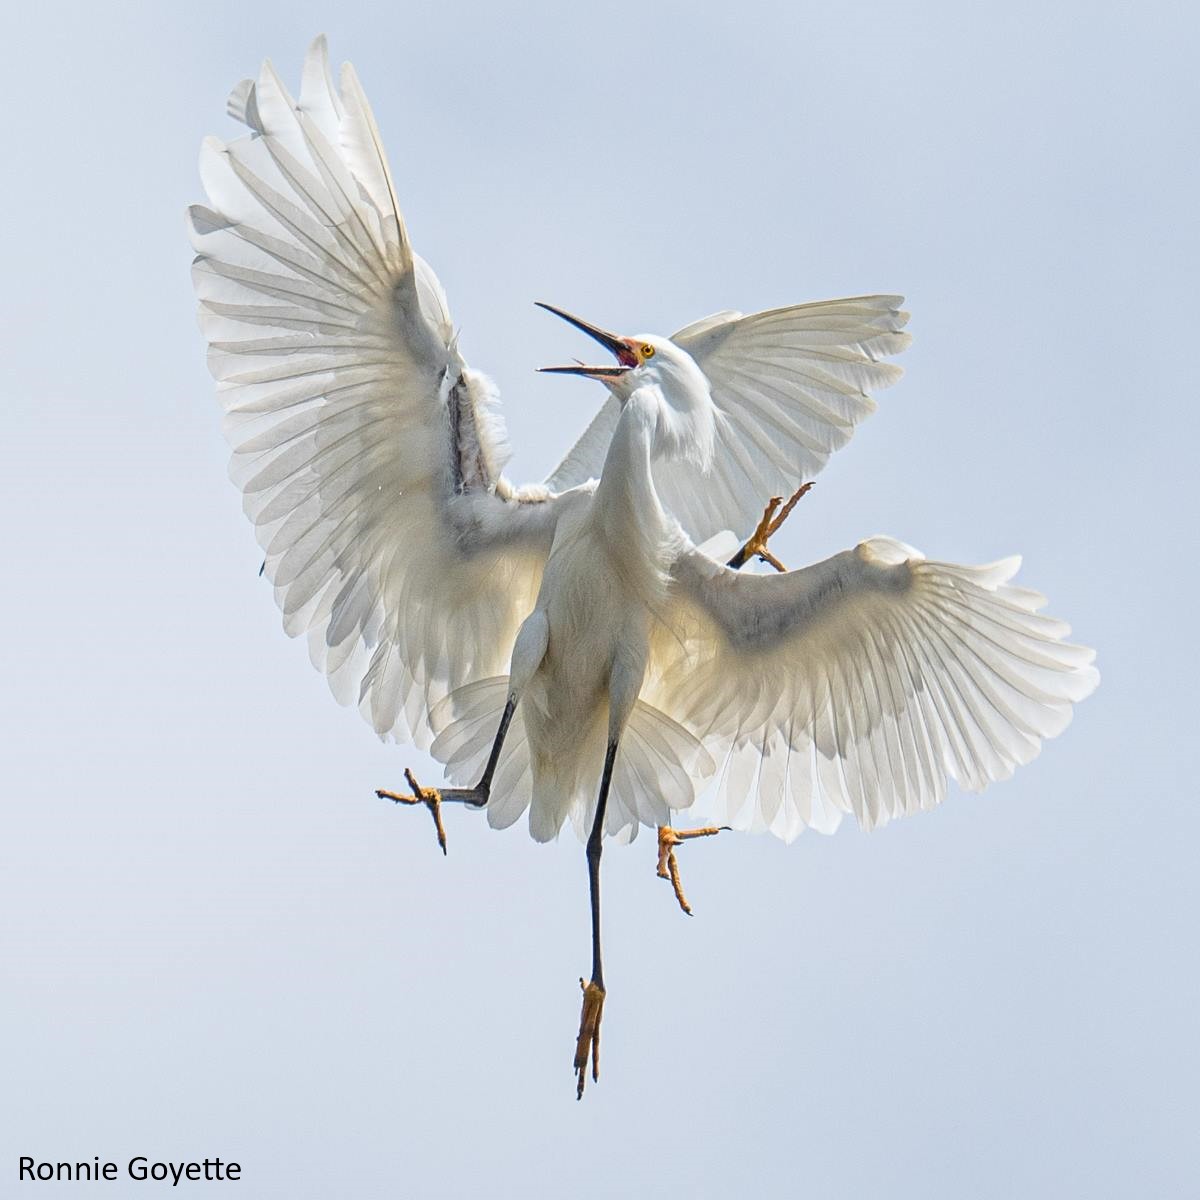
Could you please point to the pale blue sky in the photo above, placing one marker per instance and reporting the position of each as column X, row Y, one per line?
column 215, row 939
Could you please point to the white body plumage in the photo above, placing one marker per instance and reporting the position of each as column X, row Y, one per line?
column 432, row 591
column 605, row 582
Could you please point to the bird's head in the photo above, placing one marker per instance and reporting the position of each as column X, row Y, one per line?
column 674, row 386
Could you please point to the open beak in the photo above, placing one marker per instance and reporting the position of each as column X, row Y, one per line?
column 619, row 347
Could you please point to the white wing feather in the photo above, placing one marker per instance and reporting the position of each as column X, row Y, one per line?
column 789, row 385
column 368, row 452
column 862, row 683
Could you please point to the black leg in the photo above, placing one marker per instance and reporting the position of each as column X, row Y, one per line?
column 588, row 1043
column 479, row 795
column 595, row 844
column 485, row 784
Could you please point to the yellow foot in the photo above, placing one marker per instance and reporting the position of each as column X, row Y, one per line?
column 770, row 523
column 430, row 797
column 588, row 1041
column 668, row 866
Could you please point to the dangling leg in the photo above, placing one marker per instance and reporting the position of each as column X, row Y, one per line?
column 756, row 546
column 477, row 797
column 593, row 991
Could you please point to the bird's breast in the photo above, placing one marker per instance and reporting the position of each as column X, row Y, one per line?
column 597, row 602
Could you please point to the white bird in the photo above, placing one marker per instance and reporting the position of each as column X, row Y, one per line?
column 567, row 649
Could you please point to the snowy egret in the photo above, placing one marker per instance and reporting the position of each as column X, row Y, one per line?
column 571, row 649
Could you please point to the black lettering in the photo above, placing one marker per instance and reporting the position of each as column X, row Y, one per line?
column 136, row 1172
column 233, row 1170
column 26, row 1164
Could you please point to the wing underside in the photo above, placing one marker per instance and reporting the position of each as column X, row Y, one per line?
column 789, row 385
column 368, row 453
column 862, row 684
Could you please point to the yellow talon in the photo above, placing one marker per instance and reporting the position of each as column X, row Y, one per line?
column 668, row 865
column 589, row 1035
column 430, row 797
column 756, row 545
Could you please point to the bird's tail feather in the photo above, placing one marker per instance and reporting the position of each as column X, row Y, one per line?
column 657, row 767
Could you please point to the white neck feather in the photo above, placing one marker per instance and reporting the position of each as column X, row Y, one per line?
column 626, row 506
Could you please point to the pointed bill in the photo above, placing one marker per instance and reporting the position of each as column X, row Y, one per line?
column 618, row 346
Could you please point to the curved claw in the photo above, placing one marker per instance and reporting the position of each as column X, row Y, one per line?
column 773, row 517
column 430, row 797
column 588, row 1041
column 668, row 864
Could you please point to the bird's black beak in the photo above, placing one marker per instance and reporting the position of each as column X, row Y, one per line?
column 610, row 341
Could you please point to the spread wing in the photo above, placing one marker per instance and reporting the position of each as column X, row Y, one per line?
column 862, row 683
column 368, row 452
column 789, row 385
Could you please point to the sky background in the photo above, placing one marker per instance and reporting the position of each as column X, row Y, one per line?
column 216, row 941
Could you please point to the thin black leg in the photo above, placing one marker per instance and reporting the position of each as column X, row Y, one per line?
column 485, row 784
column 595, row 844
column 587, row 1044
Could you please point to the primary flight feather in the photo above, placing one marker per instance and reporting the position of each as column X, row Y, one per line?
column 569, row 649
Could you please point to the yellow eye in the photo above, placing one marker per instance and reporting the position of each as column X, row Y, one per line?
column 647, row 350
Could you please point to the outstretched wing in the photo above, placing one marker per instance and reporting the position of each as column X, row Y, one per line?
column 862, row 683
column 789, row 385
column 368, row 452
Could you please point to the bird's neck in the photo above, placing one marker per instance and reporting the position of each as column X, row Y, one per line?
column 626, row 505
